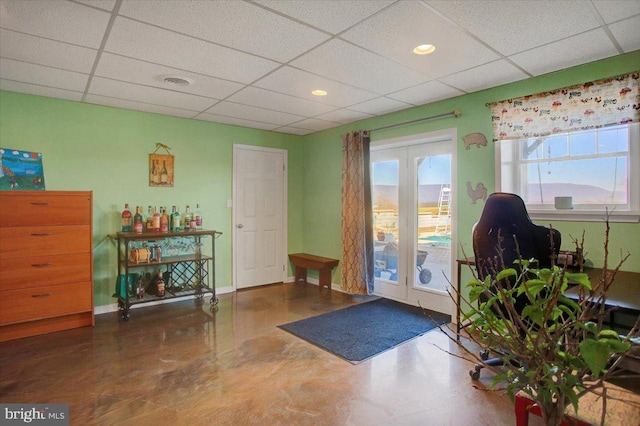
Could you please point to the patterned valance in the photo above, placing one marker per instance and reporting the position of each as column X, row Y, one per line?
column 606, row 102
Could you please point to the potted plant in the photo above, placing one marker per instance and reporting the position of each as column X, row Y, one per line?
column 557, row 348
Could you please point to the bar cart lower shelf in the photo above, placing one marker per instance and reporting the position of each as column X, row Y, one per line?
column 178, row 256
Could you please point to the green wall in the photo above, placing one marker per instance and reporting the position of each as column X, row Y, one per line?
column 105, row 150
column 323, row 155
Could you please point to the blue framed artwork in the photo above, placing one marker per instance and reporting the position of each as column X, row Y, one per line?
column 21, row 170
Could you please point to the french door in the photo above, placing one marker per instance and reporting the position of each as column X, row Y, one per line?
column 412, row 211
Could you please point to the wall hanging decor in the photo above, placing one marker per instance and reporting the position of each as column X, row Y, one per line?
column 478, row 193
column 477, row 139
column 21, row 170
column 161, row 172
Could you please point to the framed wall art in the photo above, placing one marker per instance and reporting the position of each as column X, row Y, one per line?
column 21, row 170
column 161, row 171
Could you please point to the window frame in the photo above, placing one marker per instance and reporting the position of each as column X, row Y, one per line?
column 595, row 214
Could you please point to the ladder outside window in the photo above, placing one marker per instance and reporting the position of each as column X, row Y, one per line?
column 443, row 225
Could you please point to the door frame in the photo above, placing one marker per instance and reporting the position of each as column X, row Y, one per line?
column 450, row 134
column 234, row 221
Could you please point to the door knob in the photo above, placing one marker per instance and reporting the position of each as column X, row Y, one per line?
column 240, row 226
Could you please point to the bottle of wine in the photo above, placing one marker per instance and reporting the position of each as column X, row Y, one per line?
column 153, row 173
column 155, row 220
column 149, row 219
column 127, row 219
column 156, row 172
column 175, row 220
column 137, row 221
column 164, row 176
column 186, row 219
column 164, row 221
column 160, row 285
column 198, row 217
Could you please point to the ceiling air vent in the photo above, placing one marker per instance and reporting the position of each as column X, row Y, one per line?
column 176, row 80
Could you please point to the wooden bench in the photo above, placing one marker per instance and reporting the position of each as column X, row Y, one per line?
column 324, row 265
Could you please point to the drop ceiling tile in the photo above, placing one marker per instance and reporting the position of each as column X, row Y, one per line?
column 485, row 76
column 231, row 109
column 293, row 130
column 33, row 89
column 516, row 26
column 101, row 4
column 235, row 121
column 41, row 75
column 380, row 106
column 278, row 102
column 138, row 106
column 62, row 21
column 152, row 44
column 126, row 69
column 354, row 66
column 616, row 10
column 627, row 33
column 395, row 32
column 299, row 83
column 237, row 24
column 425, row 93
column 26, row 48
column 587, row 47
column 137, row 93
column 344, row 116
column 314, row 124
column 329, row 15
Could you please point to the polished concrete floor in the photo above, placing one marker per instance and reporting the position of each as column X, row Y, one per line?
column 181, row 364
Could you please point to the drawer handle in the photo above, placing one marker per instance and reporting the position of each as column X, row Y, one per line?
column 40, row 265
column 41, row 203
column 42, row 295
column 43, row 234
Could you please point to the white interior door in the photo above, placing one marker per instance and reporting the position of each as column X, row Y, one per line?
column 413, row 202
column 259, row 211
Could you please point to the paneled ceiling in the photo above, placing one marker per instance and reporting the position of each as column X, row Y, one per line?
column 255, row 63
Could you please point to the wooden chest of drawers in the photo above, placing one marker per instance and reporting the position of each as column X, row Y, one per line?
column 46, row 262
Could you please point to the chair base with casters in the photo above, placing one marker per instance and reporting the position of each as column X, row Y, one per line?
column 486, row 362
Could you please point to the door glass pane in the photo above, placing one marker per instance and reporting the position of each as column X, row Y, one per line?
column 433, row 244
column 385, row 198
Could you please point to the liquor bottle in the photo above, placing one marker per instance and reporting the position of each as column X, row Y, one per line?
column 175, row 220
column 149, row 219
column 160, row 285
column 156, row 172
column 126, row 219
column 156, row 220
column 164, row 221
column 137, row 221
column 198, row 217
column 164, row 176
column 186, row 219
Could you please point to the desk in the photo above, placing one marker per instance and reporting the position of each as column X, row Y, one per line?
column 623, row 296
column 469, row 261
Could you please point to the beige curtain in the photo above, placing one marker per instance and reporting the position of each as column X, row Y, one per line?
column 584, row 106
column 357, row 217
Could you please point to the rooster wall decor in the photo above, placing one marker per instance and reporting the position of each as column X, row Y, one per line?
column 478, row 193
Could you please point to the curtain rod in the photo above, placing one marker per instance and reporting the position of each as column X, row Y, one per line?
column 455, row 113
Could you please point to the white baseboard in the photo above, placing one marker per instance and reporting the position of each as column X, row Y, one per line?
column 113, row 307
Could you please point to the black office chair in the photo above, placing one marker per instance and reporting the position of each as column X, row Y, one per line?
column 505, row 225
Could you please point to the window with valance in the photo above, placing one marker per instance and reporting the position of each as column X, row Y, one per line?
column 580, row 141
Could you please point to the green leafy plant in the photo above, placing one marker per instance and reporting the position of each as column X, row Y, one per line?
column 557, row 348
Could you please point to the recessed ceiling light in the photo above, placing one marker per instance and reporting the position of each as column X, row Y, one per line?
column 424, row 49
column 319, row 92
column 176, row 80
